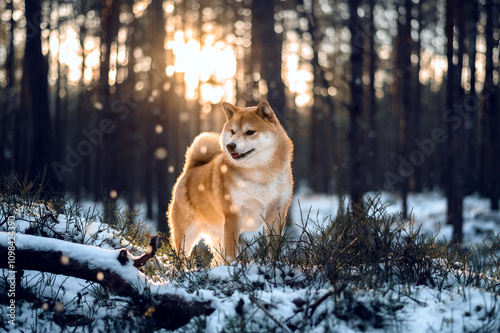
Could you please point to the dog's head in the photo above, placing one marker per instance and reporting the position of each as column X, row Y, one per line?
column 250, row 134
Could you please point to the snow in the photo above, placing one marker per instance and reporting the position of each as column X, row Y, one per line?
column 465, row 311
column 423, row 308
column 428, row 210
column 92, row 256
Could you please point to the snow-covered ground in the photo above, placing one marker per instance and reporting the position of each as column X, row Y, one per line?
column 428, row 210
column 275, row 305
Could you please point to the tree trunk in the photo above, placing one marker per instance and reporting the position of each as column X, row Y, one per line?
column 416, row 96
column 270, row 60
column 493, row 110
column 459, row 139
column 131, row 136
column 487, row 97
column 253, row 66
column 373, row 167
column 58, row 131
column 456, row 131
column 472, row 149
column 37, row 68
column 168, row 120
column 494, row 121
column 355, row 136
column 8, row 121
column 23, row 134
column 59, row 122
column 495, row 204
column 450, row 81
column 319, row 147
column 405, row 110
column 83, row 180
column 109, row 150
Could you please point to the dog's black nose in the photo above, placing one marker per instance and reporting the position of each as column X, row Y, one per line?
column 231, row 146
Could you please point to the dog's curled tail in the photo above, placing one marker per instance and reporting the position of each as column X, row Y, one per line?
column 203, row 149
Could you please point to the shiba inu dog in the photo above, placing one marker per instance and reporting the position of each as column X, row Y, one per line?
column 233, row 182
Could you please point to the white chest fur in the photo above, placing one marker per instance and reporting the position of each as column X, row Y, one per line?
column 253, row 200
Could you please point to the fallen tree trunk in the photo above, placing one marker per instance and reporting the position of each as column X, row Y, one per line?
column 113, row 269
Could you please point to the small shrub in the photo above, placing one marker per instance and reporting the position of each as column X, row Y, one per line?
column 358, row 269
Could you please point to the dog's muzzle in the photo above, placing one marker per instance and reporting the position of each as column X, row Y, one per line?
column 231, row 148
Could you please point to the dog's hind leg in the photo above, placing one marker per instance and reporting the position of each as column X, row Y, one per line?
column 184, row 233
column 185, row 240
column 215, row 242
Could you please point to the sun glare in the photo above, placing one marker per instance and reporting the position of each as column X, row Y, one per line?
column 298, row 77
column 208, row 67
column 66, row 48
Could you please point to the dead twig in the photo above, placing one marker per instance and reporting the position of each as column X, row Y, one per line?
column 260, row 306
column 319, row 301
column 150, row 252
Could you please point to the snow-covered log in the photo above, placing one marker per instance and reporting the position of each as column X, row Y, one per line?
column 113, row 269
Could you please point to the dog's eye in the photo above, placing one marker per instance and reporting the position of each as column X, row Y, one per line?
column 232, row 132
column 250, row 132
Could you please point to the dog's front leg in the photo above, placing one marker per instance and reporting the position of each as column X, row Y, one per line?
column 275, row 219
column 232, row 229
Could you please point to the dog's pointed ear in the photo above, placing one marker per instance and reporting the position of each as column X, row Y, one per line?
column 265, row 112
column 229, row 110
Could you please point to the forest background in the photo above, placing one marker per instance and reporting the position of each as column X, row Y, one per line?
column 101, row 98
